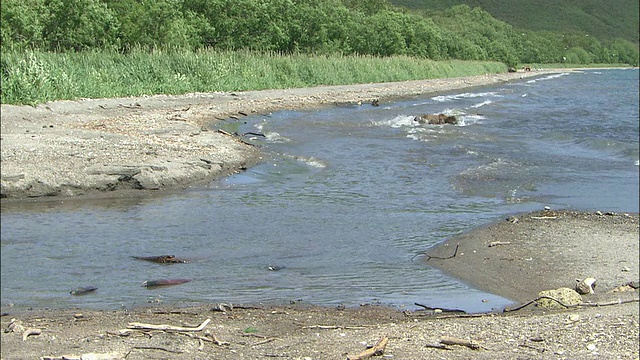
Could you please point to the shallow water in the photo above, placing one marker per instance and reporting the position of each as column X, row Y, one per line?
column 346, row 200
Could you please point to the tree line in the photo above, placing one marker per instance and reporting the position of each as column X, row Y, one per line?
column 363, row 27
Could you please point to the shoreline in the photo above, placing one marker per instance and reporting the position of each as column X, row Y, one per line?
column 136, row 146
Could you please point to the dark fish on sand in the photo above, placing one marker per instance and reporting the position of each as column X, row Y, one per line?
column 164, row 282
column 162, row 259
column 83, row 290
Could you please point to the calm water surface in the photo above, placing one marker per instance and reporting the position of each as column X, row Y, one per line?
column 346, row 199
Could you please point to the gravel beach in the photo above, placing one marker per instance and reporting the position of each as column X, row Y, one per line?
column 140, row 146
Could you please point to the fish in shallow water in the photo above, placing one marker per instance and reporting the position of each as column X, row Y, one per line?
column 164, row 282
column 162, row 259
column 83, row 290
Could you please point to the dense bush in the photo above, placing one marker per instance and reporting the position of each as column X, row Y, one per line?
column 364, row 27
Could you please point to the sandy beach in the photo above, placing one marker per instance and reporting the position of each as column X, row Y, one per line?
column 142, row 146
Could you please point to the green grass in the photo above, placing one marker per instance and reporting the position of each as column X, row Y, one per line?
column 37, row 77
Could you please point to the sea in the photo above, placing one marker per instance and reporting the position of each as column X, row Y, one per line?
column 346, row 199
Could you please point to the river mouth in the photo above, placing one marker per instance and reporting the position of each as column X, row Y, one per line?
column 345, row 201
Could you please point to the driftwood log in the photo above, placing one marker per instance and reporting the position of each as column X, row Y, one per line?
column 375, row 350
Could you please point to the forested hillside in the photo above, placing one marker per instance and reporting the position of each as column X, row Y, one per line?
column 604, row 19
column 344, row 27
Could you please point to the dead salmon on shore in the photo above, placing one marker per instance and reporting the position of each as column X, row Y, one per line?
column 164, row 282
column 83, row 290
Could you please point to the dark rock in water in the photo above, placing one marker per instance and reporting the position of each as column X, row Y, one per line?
column 164, row 282
column 436, row 119
column 162, row 259
column 83, row 290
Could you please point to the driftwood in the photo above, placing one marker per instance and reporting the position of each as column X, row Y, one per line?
column 570, row 306
column 439, row 308
column 141, row 326
column 448, row 340
column 157, row 348
column 438, row 346
column 375, row 350
column 29, row 332
column 455, row 252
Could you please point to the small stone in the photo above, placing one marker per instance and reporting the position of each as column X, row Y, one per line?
column 591, row 347
column 547, row 208
column 599, row 213
column 626, row 269
column 574, row 317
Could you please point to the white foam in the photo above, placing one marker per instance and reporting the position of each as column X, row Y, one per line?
column 443, row 98
column 637, row 162
column 467, row 120
column 276, row 138
column 311, row 161
column 553, row 76
column 397, row 122
column 486, row 102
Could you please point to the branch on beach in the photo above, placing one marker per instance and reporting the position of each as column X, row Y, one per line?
column 235, row 137
column 618, row 302
column 442, row 309
column 448, row 340
column 455, row 252
column 141, row 326
column 375, row 350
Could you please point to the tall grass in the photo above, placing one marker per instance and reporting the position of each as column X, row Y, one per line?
column 37, row 77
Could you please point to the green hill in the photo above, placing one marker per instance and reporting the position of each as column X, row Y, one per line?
column 603, row 19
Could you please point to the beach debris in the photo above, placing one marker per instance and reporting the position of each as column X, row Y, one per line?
column 455, row 252
column 558, row 299
column 223, row 307
column 16, row 326
column 275, row 267
column 586, row 286
column 163, row 327
column 29, row 332
column 88, row 356
column 630, row 286
column 436, row 119
column 83, row 290
column 162, row 259
column 448, row 340
column 440, row 309
column 497, row 243
column 513, row 219
column 164, row 282
column 376, row 350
